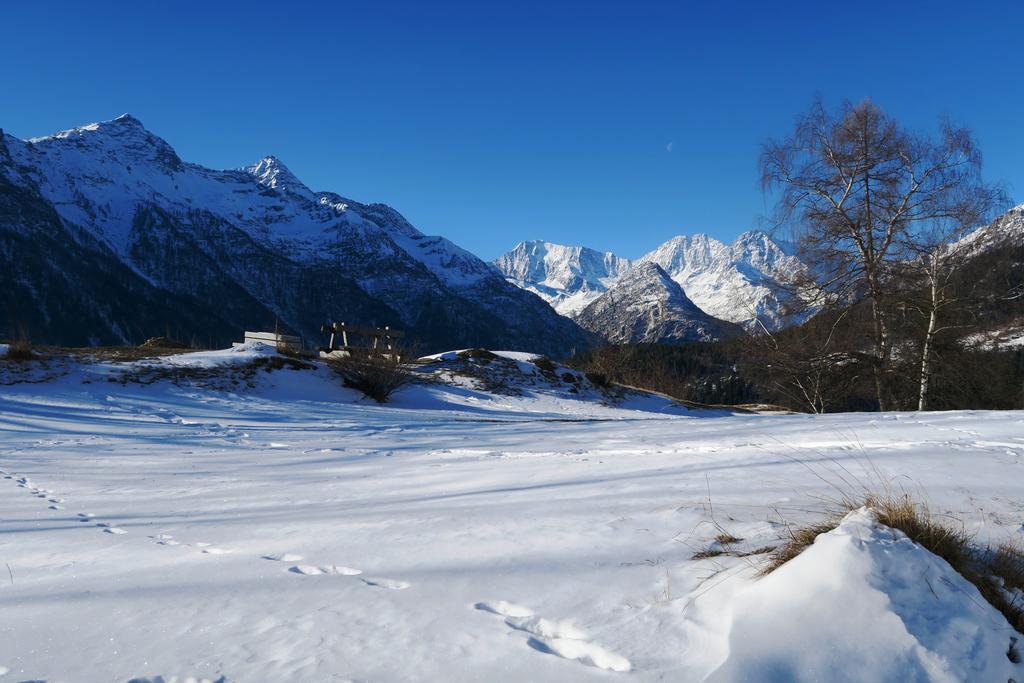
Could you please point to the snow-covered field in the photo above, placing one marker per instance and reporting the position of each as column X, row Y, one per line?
column 296, row 532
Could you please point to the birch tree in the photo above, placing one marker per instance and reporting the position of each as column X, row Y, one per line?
column 860, row 190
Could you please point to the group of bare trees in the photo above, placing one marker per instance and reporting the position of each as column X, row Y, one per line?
column 879, row 213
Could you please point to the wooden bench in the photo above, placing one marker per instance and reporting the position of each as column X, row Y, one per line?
column 382, row 339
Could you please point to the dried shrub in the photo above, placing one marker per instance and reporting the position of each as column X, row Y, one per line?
column 546, row 365
column 163, row 343
column 477, row 354
column 377, row 375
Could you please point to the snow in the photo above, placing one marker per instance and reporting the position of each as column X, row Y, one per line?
column 242, row 353
column 518, row 355
column 1006, row 338
column 297, row 531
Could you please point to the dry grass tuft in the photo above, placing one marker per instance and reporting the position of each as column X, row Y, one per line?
column 20, row 350
column 798, row 540
column 998, row 573
column 725, row 538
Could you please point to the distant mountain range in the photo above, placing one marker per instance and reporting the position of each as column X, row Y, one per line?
column 108, row 237
column 740, row 284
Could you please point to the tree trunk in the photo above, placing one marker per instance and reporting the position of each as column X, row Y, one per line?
column 929, row 336
column 881, row 350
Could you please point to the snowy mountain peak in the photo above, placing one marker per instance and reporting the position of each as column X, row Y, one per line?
column 651, row 275
column 125, row 123
column 558, row 264
column 271, row 172
column 127, row 119
column 568, row 277
column 647, row 306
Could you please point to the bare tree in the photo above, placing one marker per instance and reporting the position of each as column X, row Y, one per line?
column 860, row 189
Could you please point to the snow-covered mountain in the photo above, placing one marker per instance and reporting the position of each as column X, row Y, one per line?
column 106, row 235
column 1007, row 229
column 568, row 278
column 741, row 282
column 647, row 306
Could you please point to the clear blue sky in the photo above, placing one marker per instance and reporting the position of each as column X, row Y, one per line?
column 495, row 122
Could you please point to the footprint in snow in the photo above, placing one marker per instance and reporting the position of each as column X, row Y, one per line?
column 332, row 569
column 560, row 638
column 387, row 583
column 211, row 550
column 581, row 651
column 547, row 628
column 504, row 609
column 283, row 557
column 85, row 516
column 114, row 530
column 165, row 539
column 56, row 507
column 179, row 679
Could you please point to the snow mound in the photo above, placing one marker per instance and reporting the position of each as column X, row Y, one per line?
column 865, row 603
column 241, row 353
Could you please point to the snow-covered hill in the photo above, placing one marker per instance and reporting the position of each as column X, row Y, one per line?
column 133, row 229
column 283, row 528
column 647, row 306
column 743, row 282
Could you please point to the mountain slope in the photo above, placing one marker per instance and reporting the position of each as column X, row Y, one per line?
column 648, row 306
column 742, row 282
column 245, row 248
column 1005, row 230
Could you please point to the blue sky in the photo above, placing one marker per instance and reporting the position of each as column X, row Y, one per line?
column 615, row 125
